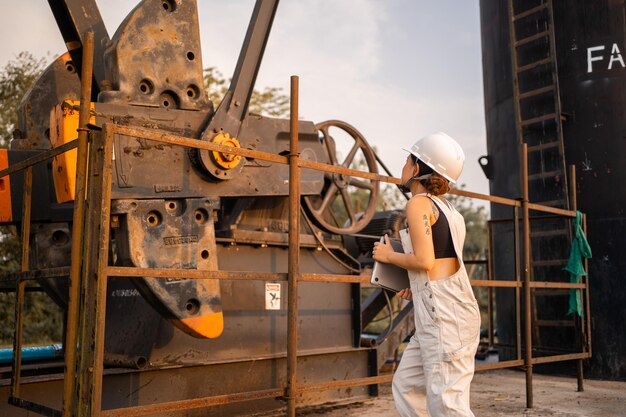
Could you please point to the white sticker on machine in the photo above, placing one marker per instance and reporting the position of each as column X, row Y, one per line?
column 272, row 296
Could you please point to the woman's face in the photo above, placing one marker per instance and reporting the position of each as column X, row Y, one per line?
column 410, row 169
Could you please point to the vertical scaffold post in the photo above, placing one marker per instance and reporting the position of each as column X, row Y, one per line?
column 587, row 305
column 294, row 253
column 97, row 250
column 69, row 383
column 580, row 321
column 490, row 273
column 528, row 354
column 518, row 279
column 21, row 284
column 95, row 262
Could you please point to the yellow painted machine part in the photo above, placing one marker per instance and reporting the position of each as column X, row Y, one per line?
column 209, row 325
column 226, row 161
column 6, row 210
column 63, row 129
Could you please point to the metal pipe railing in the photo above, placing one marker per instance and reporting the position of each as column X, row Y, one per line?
column 197, row 274
column 21, row 284
column 528, row 354
column 527, row 284
column 95, row 271
column 78, row 224
column 574, row 205
column 294, row 253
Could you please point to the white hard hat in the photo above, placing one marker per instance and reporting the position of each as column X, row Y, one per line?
column 440, row 152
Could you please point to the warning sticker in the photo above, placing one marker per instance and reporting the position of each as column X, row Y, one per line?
column 272, row 296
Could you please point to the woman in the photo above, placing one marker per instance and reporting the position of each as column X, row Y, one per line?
column 434, row 375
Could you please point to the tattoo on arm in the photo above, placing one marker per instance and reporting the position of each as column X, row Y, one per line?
column 435, row 210
column 426, row 224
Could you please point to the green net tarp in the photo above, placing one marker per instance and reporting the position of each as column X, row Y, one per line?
column 579, row 251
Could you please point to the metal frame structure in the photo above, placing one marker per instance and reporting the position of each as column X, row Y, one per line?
column 90, row 270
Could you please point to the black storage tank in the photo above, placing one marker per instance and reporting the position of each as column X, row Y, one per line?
column 590, row 39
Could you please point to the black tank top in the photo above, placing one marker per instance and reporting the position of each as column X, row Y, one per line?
column 442, row 238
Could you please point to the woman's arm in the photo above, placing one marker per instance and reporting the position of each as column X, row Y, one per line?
column 418, row 213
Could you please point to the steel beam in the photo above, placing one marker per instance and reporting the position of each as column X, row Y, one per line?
column 528, row 353
column 21, row 285
column 294, row 253
column 77, row 228
column 75, row 19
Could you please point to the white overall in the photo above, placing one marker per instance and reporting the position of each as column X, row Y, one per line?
column 434, row 375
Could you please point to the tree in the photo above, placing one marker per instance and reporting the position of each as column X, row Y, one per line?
column 15, row 79
column 268, row 102
column 42, row 317
column 9, row 250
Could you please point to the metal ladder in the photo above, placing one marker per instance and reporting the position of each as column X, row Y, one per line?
column 539, row 117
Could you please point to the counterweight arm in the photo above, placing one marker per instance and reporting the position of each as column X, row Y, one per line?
column 75, row 18
column 234, row 106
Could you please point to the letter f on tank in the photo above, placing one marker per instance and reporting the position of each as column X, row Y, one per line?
column 591, row 58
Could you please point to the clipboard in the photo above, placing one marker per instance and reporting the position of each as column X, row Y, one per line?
column 389, row 276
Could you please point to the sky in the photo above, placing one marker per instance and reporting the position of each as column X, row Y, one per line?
column 397, row 70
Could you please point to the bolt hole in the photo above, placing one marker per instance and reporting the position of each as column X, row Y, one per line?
column 60, row 238
column 201, row 216
column 146, row 86
column 192, row 306
column 193, row 91
column 69, row 66
column 191, row 56
column 153, row 218
column 205, row 254
column 141, row 362
column 169, row 5
column 169, row 99
column 171, row 205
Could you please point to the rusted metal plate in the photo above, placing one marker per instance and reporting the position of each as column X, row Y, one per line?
column 129, row 388
column 155, row 58
column 146, row 168
column 58, row 82
column 173, row 234
column 51, row 246
column 251, row 330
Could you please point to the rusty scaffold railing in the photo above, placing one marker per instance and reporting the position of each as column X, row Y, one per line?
column 90, row 270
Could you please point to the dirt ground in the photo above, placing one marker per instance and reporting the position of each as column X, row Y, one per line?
column 503, row 393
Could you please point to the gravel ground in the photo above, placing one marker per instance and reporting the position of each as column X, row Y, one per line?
column 502, row 393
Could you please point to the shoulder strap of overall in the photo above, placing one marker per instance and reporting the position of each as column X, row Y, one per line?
column 449, row 211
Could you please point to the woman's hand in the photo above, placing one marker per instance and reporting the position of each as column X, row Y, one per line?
column 382, row 250
column 406, row 294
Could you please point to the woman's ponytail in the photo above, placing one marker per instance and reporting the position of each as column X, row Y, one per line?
column 436, row 184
